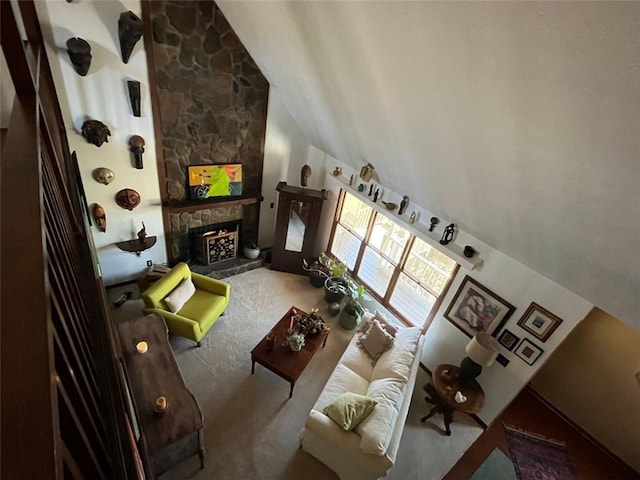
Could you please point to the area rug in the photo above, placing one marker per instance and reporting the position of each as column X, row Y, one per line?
column 251, row 426
column 496, row 466
column 538, row 458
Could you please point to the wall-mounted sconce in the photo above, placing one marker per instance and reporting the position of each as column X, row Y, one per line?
column 136, row 146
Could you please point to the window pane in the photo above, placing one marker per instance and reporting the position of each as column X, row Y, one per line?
column 411, row 300
column 355, row 215
column 375, row 271
column 388, row 237
column 431, row 267
column 345, row 246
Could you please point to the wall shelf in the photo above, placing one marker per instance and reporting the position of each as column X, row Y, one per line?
column 136, row 246
column 177, row 206
column 420, row 230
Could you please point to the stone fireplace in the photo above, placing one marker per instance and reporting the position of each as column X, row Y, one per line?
column 210, row 101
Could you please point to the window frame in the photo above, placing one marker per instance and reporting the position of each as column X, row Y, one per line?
column 399, row 267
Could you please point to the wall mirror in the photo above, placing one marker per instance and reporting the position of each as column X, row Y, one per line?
column 297, row 222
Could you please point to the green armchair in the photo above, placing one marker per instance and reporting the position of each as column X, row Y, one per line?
column 201, row 310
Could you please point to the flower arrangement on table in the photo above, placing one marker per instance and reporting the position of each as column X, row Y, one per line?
column 308, row 323
column 303, row 324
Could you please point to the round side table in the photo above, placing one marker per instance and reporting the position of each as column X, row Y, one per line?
column 441, row 394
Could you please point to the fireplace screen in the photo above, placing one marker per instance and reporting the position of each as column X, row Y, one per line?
column 217, row 245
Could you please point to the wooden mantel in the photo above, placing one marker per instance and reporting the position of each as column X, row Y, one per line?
column 177, row 206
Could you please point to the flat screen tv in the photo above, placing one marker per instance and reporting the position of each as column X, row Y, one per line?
column 209, row 181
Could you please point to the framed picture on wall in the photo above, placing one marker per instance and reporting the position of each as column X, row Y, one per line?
column 539, row 322
column 475, row 309
column 508, row 340
column 528, row 352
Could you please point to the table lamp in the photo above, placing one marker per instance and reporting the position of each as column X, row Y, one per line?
column 482, row 350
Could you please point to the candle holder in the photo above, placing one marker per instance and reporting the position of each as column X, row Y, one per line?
column 142, row 347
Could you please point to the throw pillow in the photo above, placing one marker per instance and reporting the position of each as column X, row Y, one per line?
column 375, row 340
column 368, row 318
column 349, row 409
column 180, row 295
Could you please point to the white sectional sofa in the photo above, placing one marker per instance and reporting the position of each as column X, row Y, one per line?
column 368, row 451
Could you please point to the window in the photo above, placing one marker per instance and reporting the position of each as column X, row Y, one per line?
column 406, row 274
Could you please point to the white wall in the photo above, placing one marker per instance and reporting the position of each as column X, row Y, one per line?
column 285, row 151
column 513, row 281
column 103, row 95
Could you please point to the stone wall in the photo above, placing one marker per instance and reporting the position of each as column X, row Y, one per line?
column 213, row 108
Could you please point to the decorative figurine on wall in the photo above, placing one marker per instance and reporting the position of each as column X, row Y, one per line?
column 413, row 217
column 447, row 235
column 403, row 204
column 469, row 251
column 100, row 217
column 142, row 234
column 375, row 195
column 366, row 172
column 96, row 132
column 361, row 187
column 305, row 174
column 434, row 222
column 351, row 180
column 128, row 198
column 371, row 189
column 129, row 32
column 79, row 52
column 389, row 205
column 136, row 146
column 103, row 175
column 337, row 171
column 134, row 96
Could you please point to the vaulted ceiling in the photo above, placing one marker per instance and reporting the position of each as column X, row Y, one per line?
column 518, row 121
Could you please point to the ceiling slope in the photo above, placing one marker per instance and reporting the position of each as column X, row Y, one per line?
column 518, row 121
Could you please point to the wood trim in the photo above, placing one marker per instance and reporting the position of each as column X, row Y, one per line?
column 28, row 376
column 177, row 206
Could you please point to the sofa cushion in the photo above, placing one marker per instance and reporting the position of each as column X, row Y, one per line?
column 349, row 409
column 396, row 361
column 376, row 430
column 356, row 359
column 375, row 340
column 180, row 295
column 388, row 326
column 343, row 379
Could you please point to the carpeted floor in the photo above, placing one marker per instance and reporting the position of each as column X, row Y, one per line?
column 251, row 425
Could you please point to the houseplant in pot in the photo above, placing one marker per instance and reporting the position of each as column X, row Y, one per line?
column 353, row 310
column 318, row 270
column 295, row 341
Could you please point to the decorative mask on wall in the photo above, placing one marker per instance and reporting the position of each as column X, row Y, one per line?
column 305, row 174
column 128, row 198
column 447, row 235
column 103, row 175
column 136, row 146
column 96, row 132
column 129, row 32
column 134, row 96
column 100, row 217
column 79, row 52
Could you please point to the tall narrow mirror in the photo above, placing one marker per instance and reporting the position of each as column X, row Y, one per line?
column 296, row 227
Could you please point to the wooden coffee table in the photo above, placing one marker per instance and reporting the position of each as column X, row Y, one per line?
column 282, row 360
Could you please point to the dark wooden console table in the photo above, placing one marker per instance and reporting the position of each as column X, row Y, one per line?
column 177, row 434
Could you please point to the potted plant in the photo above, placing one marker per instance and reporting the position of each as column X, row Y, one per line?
column 318, row 271
column 353, row 310
column 309, row 323
column 295, row 341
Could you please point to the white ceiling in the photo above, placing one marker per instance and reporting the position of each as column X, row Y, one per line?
column 518, row 121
